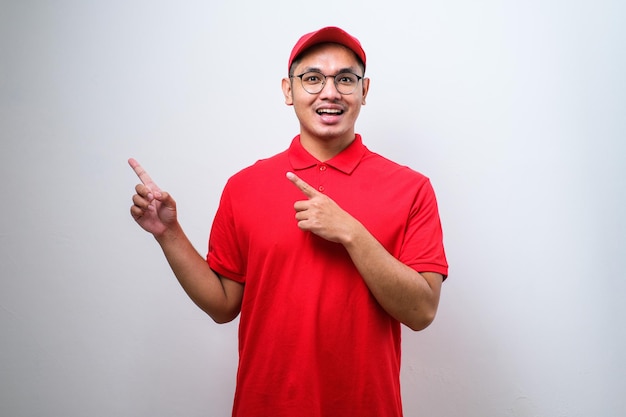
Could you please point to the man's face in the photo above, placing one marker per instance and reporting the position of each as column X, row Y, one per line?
column 327, row 115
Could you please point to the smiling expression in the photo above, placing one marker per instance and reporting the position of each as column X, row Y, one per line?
column 328, row 117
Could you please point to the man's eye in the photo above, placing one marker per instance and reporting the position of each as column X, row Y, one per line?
column 346, row 79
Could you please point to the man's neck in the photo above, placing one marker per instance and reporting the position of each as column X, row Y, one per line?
column 325, row 149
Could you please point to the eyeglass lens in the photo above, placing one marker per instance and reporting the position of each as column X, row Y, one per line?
column 313, row 82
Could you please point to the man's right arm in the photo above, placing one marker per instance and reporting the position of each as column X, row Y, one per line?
column 155, row 211
column 217, row 296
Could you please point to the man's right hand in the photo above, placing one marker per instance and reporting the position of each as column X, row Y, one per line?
column 153, row 209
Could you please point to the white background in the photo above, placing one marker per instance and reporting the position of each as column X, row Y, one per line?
column 516, row 110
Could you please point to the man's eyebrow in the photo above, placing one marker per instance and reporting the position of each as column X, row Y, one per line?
column 341, row 70
column 311, row 69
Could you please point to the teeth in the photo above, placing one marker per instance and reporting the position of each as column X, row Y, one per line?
column 329, row 111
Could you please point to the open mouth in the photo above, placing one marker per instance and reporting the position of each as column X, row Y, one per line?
column 331, row 112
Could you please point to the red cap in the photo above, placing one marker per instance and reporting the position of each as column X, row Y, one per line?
column 328, row 34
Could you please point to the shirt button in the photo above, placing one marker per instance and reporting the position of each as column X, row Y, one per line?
column 321, row 188
column 323, row 168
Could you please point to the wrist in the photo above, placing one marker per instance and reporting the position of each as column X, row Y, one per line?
column 170, row 233
column 354, row 234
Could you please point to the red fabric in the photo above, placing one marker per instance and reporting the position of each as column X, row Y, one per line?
column 330, row 34
column 313, row 342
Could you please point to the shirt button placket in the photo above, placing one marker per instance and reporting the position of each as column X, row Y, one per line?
column 322, row 169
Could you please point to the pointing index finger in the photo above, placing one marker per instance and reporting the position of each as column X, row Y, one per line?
column 302, row 185
column 143, row 175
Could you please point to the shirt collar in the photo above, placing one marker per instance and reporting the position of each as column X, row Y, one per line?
column 346, row 161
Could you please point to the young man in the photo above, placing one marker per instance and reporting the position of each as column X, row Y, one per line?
column 324, row 250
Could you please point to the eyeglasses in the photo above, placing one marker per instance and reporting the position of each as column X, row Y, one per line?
column 313, row 82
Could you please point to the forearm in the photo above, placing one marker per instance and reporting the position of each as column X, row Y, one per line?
column 408, row 296
column 205, row 288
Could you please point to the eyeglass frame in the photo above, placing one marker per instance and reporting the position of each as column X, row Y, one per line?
column 358, row 78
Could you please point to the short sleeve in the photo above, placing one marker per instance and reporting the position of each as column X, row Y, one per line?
column 423, row 248
column 225, row 255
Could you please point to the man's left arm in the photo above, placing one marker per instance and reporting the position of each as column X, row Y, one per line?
column 410, row 297
column 407, row 295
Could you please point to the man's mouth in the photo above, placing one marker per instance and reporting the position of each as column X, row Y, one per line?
column 332, row 112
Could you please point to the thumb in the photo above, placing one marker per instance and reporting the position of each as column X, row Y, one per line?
column 165, row 199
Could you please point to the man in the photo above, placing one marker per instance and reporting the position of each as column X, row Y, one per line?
column 323, row 265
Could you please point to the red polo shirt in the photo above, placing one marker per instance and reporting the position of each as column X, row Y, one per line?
column 312, row 339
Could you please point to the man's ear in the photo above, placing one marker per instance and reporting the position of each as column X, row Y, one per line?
column 287, row 91
column 366, row 89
